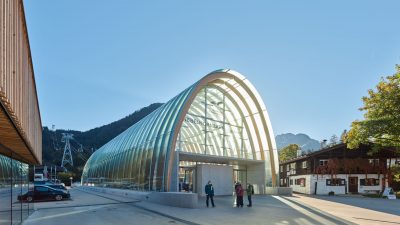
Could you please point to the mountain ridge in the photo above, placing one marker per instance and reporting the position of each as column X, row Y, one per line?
column 303, row 140
column 91, row 139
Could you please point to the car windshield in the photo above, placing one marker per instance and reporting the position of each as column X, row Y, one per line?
column 57, row 186
column 42, row 189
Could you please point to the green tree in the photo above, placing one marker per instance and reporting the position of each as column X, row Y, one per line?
column 288, row 152
column 65, row 177
column 396, row 173
column 381, row 124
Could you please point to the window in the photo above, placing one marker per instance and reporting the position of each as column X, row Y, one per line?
column 301, row 182
column 281, row 168
column 369, row 182
column 304, row 165
column 374, row 162
column 282, row 181
column 293, row 168
column 287, row 168
column 291, row 181
column 323, row 162
column 42, row 189
column 335, row 182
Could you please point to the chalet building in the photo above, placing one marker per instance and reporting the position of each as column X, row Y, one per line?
column 340, row 170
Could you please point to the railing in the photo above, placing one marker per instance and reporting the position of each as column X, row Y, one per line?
column 17, row 83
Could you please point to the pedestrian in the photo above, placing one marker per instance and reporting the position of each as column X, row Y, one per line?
column 250, row 192
column 209, row 189
column 239, row 195
column 236, row 184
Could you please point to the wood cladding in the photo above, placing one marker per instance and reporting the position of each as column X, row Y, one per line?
column 20, row 122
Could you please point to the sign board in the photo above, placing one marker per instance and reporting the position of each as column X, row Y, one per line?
column 391, row 196
column 389, row 193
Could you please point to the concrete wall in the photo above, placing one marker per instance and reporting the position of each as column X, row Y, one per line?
column 220, row 176
column 255, row 176
column 279, row 191
column 176, row 199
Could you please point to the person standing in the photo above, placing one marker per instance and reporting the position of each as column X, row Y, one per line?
column 234, row 193
column 239, row 195
column 250, row 192
column 209, row 189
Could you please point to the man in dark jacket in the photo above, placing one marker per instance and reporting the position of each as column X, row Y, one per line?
column 209, row 189
column 250, row 192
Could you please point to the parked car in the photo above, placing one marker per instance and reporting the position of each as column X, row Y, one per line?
column 42, row 192
column 57, row 186
column 42, row 182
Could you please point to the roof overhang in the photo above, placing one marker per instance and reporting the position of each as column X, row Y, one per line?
column 11, row 142
column 194, row 157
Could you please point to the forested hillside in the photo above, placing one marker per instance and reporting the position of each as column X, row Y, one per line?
column 91, row 140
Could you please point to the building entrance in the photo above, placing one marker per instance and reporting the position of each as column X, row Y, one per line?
column 187, row 179
column 195, row 170
column 353, row 184
column 240, row 175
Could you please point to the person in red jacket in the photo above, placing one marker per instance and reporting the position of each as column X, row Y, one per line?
column 239, row 195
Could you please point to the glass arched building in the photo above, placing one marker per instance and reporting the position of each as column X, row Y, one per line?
column 219, row 120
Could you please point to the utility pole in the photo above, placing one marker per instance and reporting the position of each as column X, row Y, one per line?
column 67, row 156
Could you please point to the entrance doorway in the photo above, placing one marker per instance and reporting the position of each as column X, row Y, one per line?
column 353, row 184
column 195, row 170
column 240, row 176
column 187, row 179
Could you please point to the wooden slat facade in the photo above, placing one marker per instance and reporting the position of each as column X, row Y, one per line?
column 20, row 122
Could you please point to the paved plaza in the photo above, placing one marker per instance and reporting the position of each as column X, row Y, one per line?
column 87, row 207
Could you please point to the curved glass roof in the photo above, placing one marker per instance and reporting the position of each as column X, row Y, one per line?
column 221, row 115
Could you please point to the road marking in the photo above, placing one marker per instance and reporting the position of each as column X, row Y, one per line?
column 382, row 221
column 144, row 208
column 304, row 211
column 60, row 214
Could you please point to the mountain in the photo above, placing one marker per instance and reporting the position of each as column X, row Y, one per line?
column 304, row 141
column 90, row 140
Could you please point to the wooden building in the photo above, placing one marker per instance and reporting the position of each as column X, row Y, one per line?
column 340, row 170
column 20, row 122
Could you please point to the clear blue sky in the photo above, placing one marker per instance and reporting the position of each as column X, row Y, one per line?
column 97, row 61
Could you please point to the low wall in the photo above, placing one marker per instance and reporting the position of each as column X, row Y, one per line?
column 279, row 191
column 176, row 199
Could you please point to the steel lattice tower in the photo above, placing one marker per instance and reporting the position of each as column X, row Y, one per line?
column 67, row 156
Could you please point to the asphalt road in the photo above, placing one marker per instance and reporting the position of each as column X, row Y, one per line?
column 91, row 208
column 88, row 207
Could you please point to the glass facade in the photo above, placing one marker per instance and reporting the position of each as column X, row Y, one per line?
column 220, row 115
column 13, row 182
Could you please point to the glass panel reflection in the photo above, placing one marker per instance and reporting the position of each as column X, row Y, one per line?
column 224, row 118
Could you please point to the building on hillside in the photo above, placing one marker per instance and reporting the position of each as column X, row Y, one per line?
column 339, row 170
column 20, row 123
column 217, row 129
